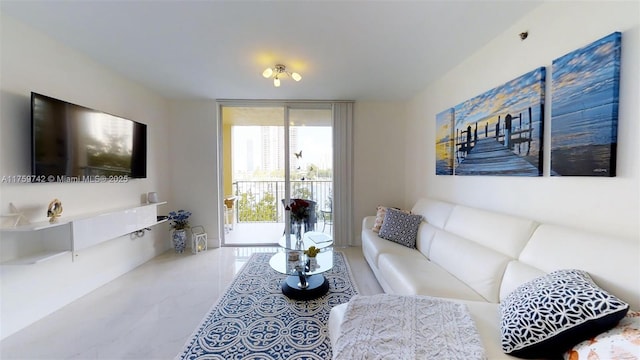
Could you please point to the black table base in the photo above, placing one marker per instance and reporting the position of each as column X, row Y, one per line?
column 316, row 286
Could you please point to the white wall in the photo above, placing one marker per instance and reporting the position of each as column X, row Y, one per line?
column 194, row 163
column 30, row 61
column 379, row 160
column 608, row 205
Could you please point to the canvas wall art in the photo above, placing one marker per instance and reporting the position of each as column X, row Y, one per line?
column 584, row 113
column 444, row 142
column 500, row 131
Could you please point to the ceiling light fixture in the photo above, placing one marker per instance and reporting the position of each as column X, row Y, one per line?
column 277, row 72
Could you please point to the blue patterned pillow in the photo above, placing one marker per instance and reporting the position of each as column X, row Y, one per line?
column 400, row 227
column 548, row 315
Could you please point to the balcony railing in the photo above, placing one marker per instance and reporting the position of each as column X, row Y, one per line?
column 261, row 201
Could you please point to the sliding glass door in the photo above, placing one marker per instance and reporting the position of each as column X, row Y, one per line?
column 271, row 154
column 311, row 164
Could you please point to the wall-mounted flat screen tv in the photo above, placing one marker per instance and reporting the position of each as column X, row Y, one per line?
column 72, row 141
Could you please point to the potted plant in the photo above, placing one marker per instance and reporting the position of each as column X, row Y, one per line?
column 179, row 222
column 312, row 262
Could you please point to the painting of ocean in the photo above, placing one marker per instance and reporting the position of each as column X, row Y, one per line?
column 444, row 142
column 500, row 131
column 584, row 113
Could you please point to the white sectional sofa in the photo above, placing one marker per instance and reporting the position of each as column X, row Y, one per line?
column 478, row 257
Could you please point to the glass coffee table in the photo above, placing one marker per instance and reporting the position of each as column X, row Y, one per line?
column 310, row 238
column 305, row 280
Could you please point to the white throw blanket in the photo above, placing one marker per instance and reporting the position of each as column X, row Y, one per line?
column 407, row 327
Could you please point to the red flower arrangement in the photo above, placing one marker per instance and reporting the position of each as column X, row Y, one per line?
column 299, row 209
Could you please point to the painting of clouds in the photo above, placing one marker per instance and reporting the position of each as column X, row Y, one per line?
column 500, row 132
column 584, row 112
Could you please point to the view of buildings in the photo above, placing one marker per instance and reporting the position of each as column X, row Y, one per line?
column 259, row 168
column 259, row 152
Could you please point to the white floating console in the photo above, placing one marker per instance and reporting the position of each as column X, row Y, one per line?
column 34, row 243
column 96, row 229
column 24, row 247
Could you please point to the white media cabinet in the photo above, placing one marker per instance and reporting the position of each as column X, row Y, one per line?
column 38, row 242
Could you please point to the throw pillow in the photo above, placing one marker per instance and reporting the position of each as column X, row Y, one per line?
column 546, row 316
column 382, row 211
column 380, row 214
column 400, row 227
column 621, row 342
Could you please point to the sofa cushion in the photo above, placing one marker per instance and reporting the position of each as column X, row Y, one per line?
column 501, row 232
column 414, row 275
column 425, row 236
column 546, row 316
column 400, row 227
column 554, row 247
column 516, row 274
column 481, row 268
column 435, row 212
column 373, row 246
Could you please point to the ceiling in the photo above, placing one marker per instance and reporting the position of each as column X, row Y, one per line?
column 349, row 50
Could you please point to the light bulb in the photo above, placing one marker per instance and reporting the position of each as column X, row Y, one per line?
column 267, row 72
column 276, row 82
column 295, row 76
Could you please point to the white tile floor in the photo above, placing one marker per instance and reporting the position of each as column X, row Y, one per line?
column 149, row 312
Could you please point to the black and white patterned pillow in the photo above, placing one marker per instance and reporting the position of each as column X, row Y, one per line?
column 546, row 316
column 400, row 227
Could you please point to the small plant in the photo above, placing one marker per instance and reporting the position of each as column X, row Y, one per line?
column 312, row 251
column 179, row 219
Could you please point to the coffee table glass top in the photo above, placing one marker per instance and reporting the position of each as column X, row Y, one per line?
column 311, row 238
column 324, row 262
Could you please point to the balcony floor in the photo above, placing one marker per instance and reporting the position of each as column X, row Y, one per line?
column 260, row 233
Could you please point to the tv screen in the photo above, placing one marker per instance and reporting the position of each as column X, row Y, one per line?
column 71, row 141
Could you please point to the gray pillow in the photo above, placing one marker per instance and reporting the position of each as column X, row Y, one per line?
column 400, row 227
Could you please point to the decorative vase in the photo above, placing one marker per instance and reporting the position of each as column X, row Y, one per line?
column 297, row 229
column 312, row 263
column 179, row 238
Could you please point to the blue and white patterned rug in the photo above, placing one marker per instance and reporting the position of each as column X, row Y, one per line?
column 254, row 320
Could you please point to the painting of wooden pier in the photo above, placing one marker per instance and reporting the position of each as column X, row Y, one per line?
column 444, row 142
column 584, row 113
column 500, row 132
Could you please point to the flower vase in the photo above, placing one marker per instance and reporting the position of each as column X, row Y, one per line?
column 297, row 229
column 312, row 263
column 179, row 238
